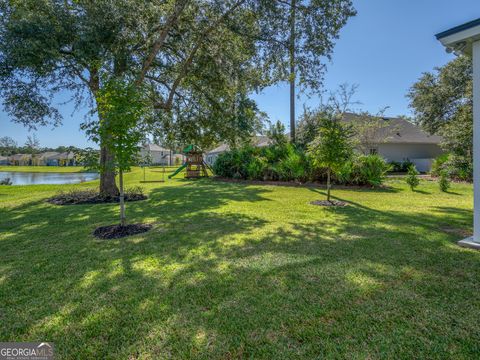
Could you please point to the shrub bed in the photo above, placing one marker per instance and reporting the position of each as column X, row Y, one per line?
column 454, row 167
column 91, row 196
column 288, row 163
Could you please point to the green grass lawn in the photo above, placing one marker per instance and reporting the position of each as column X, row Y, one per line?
column 237, row 271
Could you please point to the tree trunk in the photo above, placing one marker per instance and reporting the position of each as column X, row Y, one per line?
column 108, row 187
column 107, row 173
column 328, row 184
column 292, row 70
column 123, row 219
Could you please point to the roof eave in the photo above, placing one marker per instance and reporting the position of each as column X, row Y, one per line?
column 460, row 38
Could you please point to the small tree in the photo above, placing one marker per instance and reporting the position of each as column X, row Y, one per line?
column 332, row 147
column 444, row 182
column 121, row 106
column 412, row 177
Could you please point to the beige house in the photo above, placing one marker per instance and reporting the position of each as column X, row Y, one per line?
column 60, row 159
column 400, row 140
column 21, row 159
column 211, row 156
column 160, row 155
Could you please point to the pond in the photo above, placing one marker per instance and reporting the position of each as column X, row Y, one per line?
column 35, row 178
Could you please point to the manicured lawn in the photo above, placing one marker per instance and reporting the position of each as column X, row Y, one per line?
column 237, row 271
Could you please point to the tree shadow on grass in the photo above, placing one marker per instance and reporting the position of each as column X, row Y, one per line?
column 208, row 283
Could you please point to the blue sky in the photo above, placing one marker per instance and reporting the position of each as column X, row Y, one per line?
column 383, row 50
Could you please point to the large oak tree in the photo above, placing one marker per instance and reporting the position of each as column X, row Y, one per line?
column 194, row 58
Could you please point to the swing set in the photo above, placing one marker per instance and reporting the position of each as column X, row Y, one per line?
column 194, row 165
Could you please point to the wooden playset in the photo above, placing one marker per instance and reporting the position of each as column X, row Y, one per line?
column 195, row 166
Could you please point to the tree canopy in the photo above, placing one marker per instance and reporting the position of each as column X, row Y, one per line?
column 442, row 102
column 195, row 60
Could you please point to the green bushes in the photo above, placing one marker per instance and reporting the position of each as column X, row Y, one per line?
column 364, row 170
column 288, row 163
column 400, row 167
column 281, row 162
column 453, row 166
column 443, row 182
column 372, row 169
column 412, row 177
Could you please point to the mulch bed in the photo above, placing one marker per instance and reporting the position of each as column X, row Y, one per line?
column 329, row 203
column 118, row 231
column 88, row 197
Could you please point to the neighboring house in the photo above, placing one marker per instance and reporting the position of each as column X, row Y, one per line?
column 159, row 155
column 4, row 160
column 21, row 159
column 212, row 155
column 401, row 140
column 61, row 159
column 46, row 158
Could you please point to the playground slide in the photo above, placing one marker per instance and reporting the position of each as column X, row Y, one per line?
column 177, row 171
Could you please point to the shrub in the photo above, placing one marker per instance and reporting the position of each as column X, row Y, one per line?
column 234, row 163
column 412, row 177
column 400, row 166
column 372, row 169
column 459, row 168
column 364, row 170
column 293, row 166
column 455, row 167
column 438, row 165
column 344, row 174
column 256, row 168
column 6, row 181
column 91, row 196
column 443, row 182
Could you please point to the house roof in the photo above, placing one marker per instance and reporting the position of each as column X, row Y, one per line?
column 154, row 147
column 19, row 157
column 259, row 141
column 62, row 156
column 399, row 131
column 457, row 29
column 460, row 39
column 48, row 155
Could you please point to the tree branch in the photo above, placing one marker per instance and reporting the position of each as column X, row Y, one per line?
column 184, row 69
column 157, row 45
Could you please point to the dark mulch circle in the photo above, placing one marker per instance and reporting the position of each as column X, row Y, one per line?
column 329, row 203
column 118, row 231
column 91, row 197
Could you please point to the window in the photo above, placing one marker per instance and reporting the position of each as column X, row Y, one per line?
column 373, row 151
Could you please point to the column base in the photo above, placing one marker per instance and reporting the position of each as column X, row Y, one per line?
column 469, row 243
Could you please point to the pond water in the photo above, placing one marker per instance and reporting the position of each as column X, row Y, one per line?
column 35, row 178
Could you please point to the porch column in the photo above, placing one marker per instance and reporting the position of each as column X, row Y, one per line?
column 474, row 241
column 465, row 39
column 476, row 140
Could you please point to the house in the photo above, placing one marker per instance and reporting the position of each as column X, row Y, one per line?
column 160, row 155
column 212, row 155
column 46, row 158
column 21, row 159
column 4, row 160
column 60, row 159
column 400, row 140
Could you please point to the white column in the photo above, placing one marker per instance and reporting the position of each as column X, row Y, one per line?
column 476, row 141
